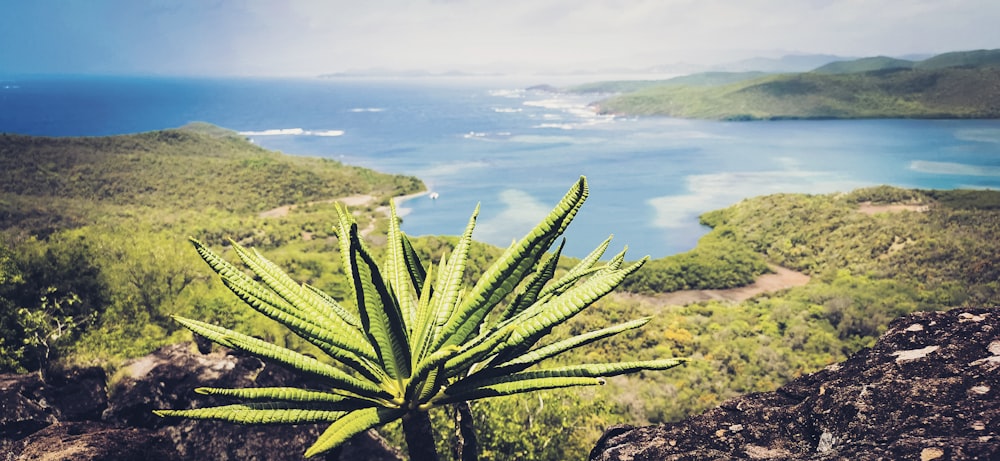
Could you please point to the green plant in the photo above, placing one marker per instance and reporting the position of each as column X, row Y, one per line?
column 416, row 338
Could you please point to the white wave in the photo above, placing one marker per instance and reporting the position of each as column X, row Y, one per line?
column 292, row 132
column 508, row 93
column 506, row 110
column 557, row 104
column 326, row 133
column 275, row 132
column 367, row 109
column 488, row 136
column 952, row 168
column 535, row 139
column 991, row 135
column 561, row 126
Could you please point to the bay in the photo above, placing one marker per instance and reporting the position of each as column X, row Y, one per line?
column 488, row 141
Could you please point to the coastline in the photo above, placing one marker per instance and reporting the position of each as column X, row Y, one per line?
column 399, row 200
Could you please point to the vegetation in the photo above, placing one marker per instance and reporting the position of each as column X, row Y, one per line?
column 115, row 272
column 720, row 260
column 51, row 183
column 864, row 65
column 954, row 85
column 698, row 79
column 414, row 339
column 90, row 259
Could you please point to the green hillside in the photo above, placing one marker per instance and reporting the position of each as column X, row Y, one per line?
column 699, row 79
column 953, row 85
column 198, row 166
column 977, row 58
column 98, row 254
column 864, row 65
column 93, row 231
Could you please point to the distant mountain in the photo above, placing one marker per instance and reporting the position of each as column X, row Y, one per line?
column 951, row 85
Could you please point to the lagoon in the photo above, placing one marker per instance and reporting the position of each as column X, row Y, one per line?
column 516, row 151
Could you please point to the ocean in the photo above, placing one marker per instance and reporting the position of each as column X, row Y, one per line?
column 516, row 151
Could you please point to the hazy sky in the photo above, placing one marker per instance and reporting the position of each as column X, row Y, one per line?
column 309, row 37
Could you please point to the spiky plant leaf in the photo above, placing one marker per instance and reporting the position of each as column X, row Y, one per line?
column 292, row 359
column 522, row 362
column 416, row 338
column 442, row 303
column 506, row 273
column 353, row 423
column 398, row 272
column 257, row 413
column 286, row 394
column 380, row 315
column 533, row 285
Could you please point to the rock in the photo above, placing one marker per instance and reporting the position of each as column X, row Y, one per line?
column 28, row 404
column 71, row 416
column 23, row 410
column 78, row 394
column 927, row 392
column 91, row 441
column 167, row 379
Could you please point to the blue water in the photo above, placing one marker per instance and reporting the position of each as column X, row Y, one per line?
column 516, row 151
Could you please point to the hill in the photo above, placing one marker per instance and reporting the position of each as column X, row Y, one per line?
column 952, row 85
column 93, row 250
column 699, row 79
column 93, row 277
column 977, row 58
column 864, row 65
column 56, row 182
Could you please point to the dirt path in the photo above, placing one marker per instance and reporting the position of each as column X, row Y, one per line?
column 282, row 211
column 870, row 208
column 781, row 279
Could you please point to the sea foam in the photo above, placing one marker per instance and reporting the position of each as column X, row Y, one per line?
column 292, row 132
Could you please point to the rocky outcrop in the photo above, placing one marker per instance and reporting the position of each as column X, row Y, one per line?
column 71, row 415
column 929, row 389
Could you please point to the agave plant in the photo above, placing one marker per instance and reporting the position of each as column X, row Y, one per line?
column 414, row 338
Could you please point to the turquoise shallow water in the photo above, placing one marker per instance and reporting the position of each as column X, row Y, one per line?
column 517, row 151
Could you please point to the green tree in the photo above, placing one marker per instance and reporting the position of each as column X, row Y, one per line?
column 50, row 292
column 417, row 338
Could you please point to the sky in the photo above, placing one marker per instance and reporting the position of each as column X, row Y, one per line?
column 311, row 37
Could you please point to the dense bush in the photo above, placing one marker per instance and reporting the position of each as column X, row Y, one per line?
column 719, row 261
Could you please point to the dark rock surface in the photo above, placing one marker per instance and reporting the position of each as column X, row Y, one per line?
column 94, row 441
column 929, row 389
column 72, row 416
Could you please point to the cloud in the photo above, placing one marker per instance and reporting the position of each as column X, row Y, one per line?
column 307, row 37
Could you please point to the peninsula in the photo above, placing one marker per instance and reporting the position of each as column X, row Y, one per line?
column 962, row 84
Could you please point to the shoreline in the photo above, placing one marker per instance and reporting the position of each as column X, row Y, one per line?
column 350, row 201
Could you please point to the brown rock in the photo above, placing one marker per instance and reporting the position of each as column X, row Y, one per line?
column 927, row 392
column 91, row 441
column 70, row 416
